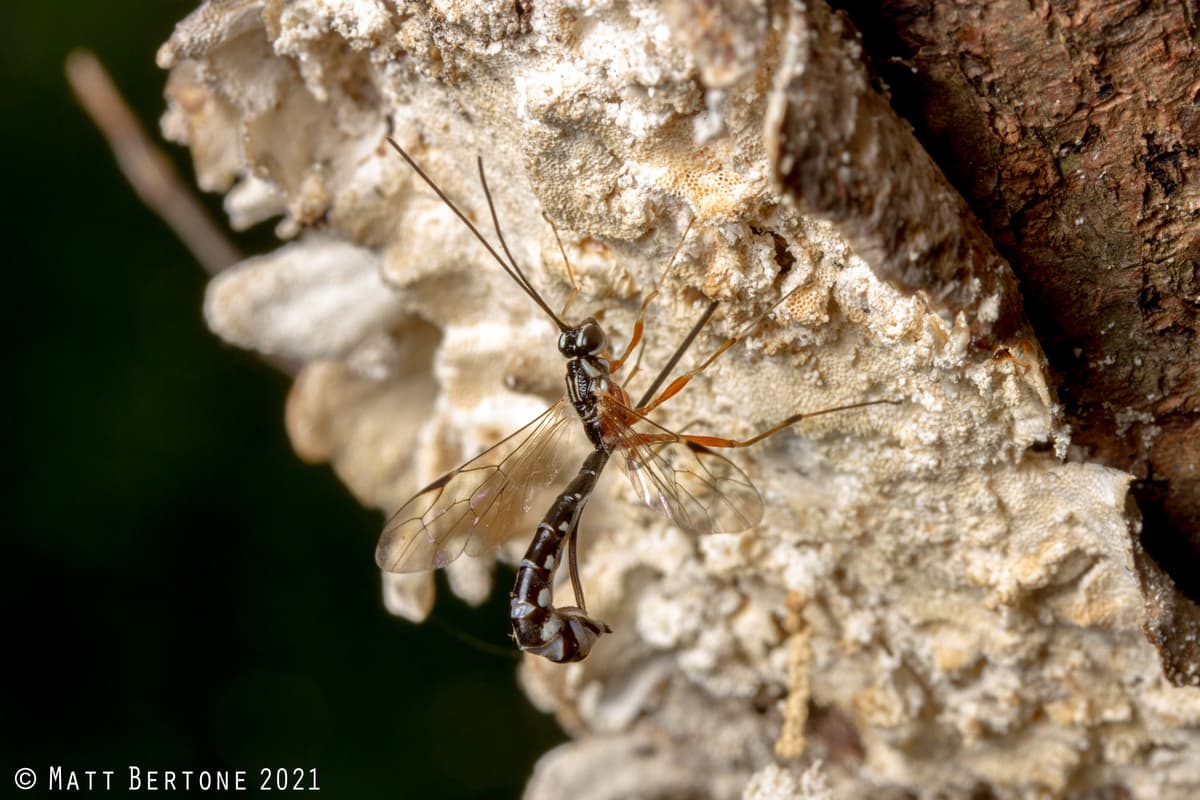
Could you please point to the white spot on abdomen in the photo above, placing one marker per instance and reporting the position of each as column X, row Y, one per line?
column 551, row 628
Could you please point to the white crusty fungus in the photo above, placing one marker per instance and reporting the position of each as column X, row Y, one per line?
column 934, row 600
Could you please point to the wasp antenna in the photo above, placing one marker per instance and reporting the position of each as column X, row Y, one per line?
column 515, row 272
column 570, row 270
column 517, row 275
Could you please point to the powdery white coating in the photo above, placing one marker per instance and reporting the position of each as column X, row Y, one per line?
column 270, row 302
column 933, row 599
column 773, row 782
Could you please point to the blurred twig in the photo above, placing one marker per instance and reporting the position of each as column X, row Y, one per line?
column 151, row 175
column 145, row 166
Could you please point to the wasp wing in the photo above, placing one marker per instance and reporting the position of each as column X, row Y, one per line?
column 701, row 490
column 483, row 503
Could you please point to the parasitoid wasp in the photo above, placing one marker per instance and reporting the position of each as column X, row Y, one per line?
column 488, row 500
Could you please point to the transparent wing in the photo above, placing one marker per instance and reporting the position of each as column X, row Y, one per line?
column 696, row 487
column 496, row 495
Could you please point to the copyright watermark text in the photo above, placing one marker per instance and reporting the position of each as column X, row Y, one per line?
column 57, row 778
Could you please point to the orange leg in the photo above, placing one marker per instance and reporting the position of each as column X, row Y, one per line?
column 677, row 385
column 718, row 441
column 641, row 320
column 637, row 333
column 683, row 380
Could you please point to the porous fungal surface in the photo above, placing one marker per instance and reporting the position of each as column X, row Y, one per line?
column 938, row 598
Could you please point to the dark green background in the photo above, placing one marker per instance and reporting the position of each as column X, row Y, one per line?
column 185, row 594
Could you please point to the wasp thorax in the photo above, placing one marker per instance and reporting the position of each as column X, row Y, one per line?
column 586, row 339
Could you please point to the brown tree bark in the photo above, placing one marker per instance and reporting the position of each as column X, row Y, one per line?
column 1073, row 128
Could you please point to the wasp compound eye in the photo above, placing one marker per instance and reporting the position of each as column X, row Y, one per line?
column 592, row 339
column 588, row 339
